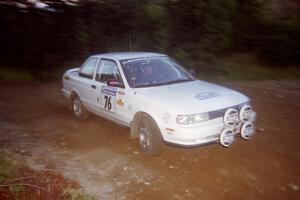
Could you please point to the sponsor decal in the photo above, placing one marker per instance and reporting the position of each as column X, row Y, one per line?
column 170, row 129
column 136, row 60
column 120, row 102
column 206, row 95
column 109, row 90
column 121, row 92
column 166, row 117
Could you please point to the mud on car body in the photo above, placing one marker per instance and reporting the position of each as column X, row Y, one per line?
column 158, row 99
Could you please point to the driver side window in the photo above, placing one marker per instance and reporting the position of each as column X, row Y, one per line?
column 107, row 71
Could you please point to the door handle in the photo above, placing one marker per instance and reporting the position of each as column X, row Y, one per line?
column 93, row 86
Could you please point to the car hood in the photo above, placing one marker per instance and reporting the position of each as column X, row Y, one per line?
column 193, row 97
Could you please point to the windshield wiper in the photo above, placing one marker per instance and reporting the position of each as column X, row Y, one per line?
column 177, row 81
column 149, row 85
column 162, row 83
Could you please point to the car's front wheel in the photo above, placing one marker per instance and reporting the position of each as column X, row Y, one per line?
column 79, row 110
column 150, row 138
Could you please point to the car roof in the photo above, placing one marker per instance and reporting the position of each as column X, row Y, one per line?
column 129, row 55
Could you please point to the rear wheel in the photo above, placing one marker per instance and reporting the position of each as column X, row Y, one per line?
column 150, row 138
column 79, row 110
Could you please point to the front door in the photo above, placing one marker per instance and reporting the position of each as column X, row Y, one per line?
column 107, row 98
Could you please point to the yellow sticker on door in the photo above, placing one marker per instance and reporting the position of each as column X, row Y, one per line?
column 120, row 102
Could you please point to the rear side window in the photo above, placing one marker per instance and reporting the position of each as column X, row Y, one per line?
column 88, row 69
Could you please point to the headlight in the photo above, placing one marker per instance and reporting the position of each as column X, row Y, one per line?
column 192, row 119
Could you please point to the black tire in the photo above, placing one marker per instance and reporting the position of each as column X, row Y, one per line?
column 150, row 138
column 79, row 110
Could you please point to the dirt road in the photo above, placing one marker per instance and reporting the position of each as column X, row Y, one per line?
column 99, row 155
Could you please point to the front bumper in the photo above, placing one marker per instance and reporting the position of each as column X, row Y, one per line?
column 200, row 134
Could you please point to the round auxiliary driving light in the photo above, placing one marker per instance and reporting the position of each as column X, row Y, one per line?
column 226, row 137
column 246, row 113
column 231, row 117
column 247, row 130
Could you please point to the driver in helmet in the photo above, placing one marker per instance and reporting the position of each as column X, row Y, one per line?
column 146, row 76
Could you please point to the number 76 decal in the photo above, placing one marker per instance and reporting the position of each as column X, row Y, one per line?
column 108, row 98
column 107, row 104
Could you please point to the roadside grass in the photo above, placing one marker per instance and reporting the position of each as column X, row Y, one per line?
column 234, row 71
column 251, row 71
column 16, row 190
column 77, row 194
column 5, row 169
column 231, row 67
column 246, row 67
column 8, row 164
column 19, row 182
column 7, row 73
column 14, row 74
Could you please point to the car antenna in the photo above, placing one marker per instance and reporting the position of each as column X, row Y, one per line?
column 129, row 38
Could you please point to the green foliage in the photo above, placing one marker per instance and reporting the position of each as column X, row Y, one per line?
column 5, row 169
column 77, row 194
column 234, row 71
column 9, row 162
column 191, row 30
column 16, row 189
column 269, row 28
column 7, row 73
column 245, row 67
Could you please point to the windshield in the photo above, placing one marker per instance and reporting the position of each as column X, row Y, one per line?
column 153, row 71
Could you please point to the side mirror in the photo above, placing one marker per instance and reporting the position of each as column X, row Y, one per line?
column 114, row 83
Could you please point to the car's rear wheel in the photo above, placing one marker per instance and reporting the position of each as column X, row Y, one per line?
column 150, row 138
column 79, row 110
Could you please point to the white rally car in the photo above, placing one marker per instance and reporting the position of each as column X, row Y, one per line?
column 158, row 99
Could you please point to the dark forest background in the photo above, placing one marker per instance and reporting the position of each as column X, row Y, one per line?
column 192, row 31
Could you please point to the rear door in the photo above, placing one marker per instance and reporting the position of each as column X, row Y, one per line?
column 84, row 82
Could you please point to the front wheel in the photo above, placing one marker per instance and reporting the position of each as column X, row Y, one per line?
column 150, row 138
column 79, row 110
